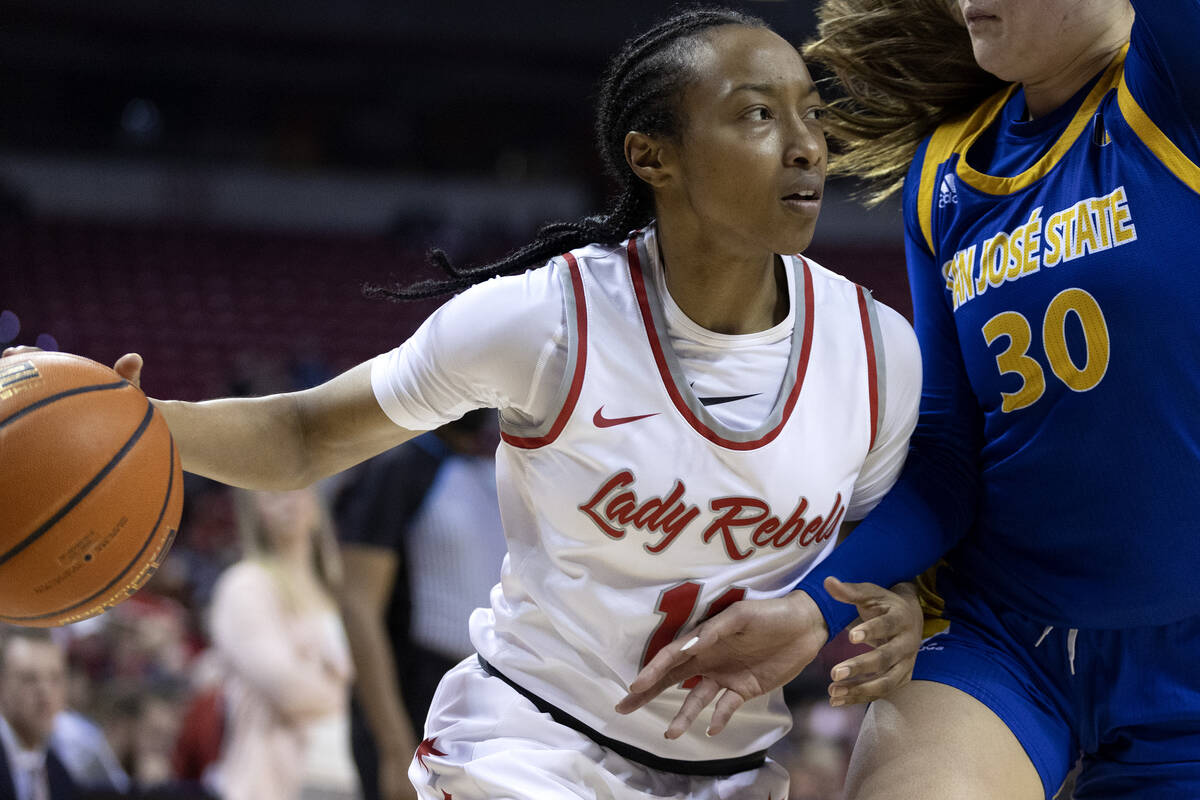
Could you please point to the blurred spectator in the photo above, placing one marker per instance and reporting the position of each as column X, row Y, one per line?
column 203, row 728
column 142, row 721
column 85, row 751
column 33, row 692
column 422, row 546
column 158, row 724
column 276, row 626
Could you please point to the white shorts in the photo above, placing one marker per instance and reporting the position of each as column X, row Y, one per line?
column 484, row 740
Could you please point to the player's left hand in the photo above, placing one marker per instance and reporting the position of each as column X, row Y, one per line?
column 890, row 622
column 747, row 650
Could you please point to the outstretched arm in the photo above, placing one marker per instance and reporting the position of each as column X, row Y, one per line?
column 481, row 349
column 281, row 441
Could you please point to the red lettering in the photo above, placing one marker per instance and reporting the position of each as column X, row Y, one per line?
column 760, row 536
column 793, row 526
column 676, row 521
column 668, row 515
column 622, row 508
column 835, row 519
column 622, row 478
column 615, row 506
column 723, row 524
column 831, row 524
column 650, row 515
column 812, row 527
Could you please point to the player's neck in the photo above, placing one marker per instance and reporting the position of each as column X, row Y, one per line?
column 723, row 290
column 1045, row 94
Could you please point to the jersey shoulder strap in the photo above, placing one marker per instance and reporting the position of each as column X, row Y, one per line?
column 946, row 140
column 876, row 368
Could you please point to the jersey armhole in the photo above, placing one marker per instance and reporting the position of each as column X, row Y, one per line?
column 876, row 368
column 942, row 144
column 1153, row 137
column 575, row 305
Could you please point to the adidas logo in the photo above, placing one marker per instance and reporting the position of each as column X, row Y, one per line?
column 948, row 191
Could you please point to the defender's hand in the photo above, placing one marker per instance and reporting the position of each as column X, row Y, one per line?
column 890, row 622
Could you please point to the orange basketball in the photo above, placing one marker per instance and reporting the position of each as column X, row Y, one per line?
column 91, row 489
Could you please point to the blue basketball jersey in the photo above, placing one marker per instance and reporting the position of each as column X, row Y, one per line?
column 1067, row 286
column 1056, row 293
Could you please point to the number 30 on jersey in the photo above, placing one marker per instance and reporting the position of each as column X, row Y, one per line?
column 1015, row 357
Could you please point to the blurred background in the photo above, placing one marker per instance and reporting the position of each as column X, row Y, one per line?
column 210, row 184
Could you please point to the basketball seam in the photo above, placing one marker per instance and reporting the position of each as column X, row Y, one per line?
column 136, row 558
column 82, row 493
column 45, row 401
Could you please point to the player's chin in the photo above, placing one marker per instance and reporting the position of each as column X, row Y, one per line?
column 795, row 238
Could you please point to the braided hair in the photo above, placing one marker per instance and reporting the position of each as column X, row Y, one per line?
column 640, row 91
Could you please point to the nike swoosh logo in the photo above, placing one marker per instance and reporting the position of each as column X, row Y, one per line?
column 716, row 401
column 602, row 421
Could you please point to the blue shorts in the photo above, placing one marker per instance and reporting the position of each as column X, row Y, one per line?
column 1127, row 701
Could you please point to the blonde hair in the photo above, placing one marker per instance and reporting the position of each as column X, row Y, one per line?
column 903, row 67
column 256, row 544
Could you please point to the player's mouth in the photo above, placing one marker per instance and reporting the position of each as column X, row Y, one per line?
column 806, row 201
column 975, row 16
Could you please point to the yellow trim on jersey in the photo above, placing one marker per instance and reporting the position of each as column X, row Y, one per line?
column 932, row 604
column 958, row 136
column 1083, row 117
column 1152, row 136
column 943, row 144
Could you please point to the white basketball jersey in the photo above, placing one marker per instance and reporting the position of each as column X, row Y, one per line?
column 634, row 514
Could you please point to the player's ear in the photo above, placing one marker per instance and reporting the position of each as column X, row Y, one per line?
column 649, row 157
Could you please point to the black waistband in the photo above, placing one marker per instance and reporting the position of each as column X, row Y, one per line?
column 724, row 766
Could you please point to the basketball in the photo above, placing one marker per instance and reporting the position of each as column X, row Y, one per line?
column 91, row 489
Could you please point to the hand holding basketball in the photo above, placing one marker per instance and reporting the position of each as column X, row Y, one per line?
column 91, row 486
column 129, row 367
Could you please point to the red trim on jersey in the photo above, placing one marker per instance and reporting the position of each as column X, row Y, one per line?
column 530, row 443
column 639, row 287
column 872, row 366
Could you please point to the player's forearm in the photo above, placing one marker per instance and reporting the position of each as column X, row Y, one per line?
column 284, row 441
column 254, row 443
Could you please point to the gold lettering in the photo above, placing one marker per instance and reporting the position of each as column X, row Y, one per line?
column 961, row 268
column 1031, row 242
column 1100, row 207
column 1123, row 229
column 1085, row 234
column 1054, row 239
column 997, row 264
